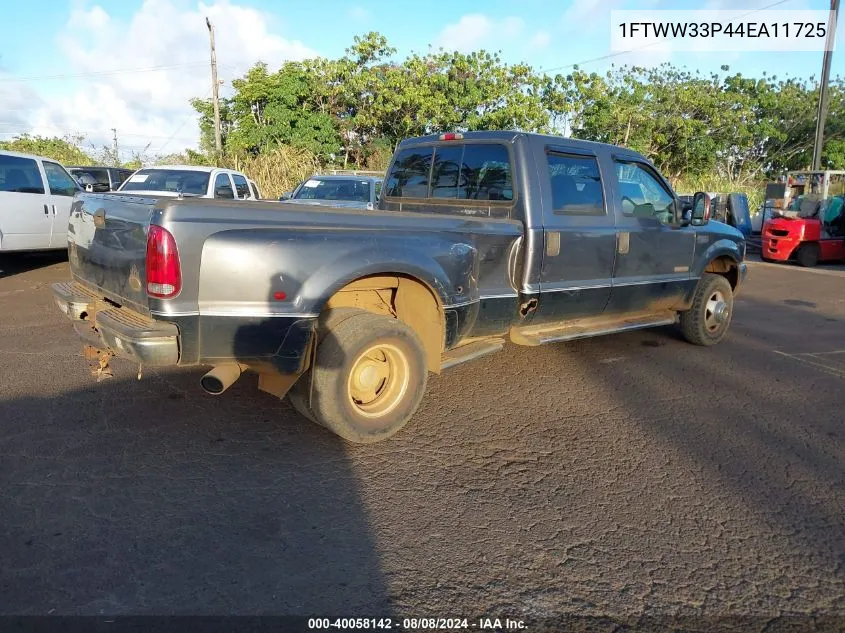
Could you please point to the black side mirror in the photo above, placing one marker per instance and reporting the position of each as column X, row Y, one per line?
column 700, row 209
column 287, row 195
column 224, row 192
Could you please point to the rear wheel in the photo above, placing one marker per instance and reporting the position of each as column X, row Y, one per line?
column 368, row 378
column 708, row 319
column 807, row 255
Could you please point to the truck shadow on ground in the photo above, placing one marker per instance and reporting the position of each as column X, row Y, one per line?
column 17, row 263
column 149, row 497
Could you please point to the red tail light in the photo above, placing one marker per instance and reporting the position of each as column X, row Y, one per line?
column 164, row 274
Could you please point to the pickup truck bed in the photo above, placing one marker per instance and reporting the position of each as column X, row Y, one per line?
column 476, row 239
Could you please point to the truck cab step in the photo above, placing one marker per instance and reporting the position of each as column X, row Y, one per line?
column 470, row 351
column 593, row 326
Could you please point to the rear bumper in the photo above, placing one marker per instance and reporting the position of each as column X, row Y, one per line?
column 125, row 332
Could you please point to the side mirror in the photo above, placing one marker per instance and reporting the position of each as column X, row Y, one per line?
column 224, row 192
column 700, row 209
column 287, row 195
column 89, row 188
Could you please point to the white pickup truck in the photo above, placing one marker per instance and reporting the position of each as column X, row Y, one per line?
column 190, row 180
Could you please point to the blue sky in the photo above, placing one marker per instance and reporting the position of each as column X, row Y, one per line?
column 133, row 65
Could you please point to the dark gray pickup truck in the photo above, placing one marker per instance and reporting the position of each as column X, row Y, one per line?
column 477, row 238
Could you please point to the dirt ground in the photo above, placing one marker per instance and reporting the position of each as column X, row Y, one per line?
column 624, row 476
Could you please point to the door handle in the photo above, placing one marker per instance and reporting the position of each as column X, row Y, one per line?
column 46, row 210
column 54, row 209
column 623, row 242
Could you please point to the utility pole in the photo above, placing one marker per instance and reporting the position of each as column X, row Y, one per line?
column 821, row 115
column 215, row 86
column 116, row 155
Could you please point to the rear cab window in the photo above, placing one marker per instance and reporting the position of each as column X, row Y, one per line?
column 20, row 175
column 461, row 178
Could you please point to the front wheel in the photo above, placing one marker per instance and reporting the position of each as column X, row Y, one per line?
column 707, row 320
column 368, row 377
column 807, row 255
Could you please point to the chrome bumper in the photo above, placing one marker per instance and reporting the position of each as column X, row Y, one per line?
column 125, row 332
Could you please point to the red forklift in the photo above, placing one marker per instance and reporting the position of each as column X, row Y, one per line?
column 804, row 218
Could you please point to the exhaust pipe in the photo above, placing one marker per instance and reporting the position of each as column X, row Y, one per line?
column 221, row 378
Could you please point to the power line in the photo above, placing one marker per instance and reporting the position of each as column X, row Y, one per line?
column 633, row 50
column 100, row 73
column 61, row 130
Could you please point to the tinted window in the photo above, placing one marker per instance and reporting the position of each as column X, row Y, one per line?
column 447, row 169
column 410, row 172
column 184, row 180
column 60, row 182
column 642, row 195
column 346, row 189
column 222, row 187
column 90, row 175
column 465, row 172
column 378, row 188
column 254, row 189
column 576, row 185
column 485, row 173
column 20, row 175
column 241, row 185
column 122, row 175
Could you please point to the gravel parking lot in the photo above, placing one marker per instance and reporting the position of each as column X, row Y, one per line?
column 614, row 477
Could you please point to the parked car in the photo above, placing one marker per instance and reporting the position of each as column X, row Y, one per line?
column 360, row 192
column 100, row 178
column 477, row 238
column 35, row 199
column 189, row 180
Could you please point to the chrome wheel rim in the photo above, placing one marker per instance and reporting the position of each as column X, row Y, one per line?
column 378, row 380
column 716, row 311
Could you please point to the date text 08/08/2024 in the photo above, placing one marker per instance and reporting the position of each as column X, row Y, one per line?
column 493, row 624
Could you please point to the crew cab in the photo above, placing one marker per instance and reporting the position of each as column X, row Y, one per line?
column 478, row 238
column 190, row 180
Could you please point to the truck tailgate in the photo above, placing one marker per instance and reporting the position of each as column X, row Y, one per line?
column 107, row 245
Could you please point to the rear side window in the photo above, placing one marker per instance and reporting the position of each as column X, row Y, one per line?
column 254, row 189
column 20, row 175
column 478, row 171
column 410, row 173
column 576, row 185
column 222, row 187
column 241, row 186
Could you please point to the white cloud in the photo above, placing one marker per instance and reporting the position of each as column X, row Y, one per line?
column 475, row 30
column 151, row 105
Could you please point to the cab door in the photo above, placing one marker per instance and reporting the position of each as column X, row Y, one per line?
column 652, row 270
column 579, row 236
column 25, row 215
column 62, row 188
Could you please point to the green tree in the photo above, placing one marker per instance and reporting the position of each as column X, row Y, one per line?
column 65, row 150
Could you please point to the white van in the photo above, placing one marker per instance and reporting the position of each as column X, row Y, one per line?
column 35, row 198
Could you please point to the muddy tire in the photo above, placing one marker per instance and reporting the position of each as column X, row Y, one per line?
column 707, row 321
column 807, row 255
column 368, row 379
